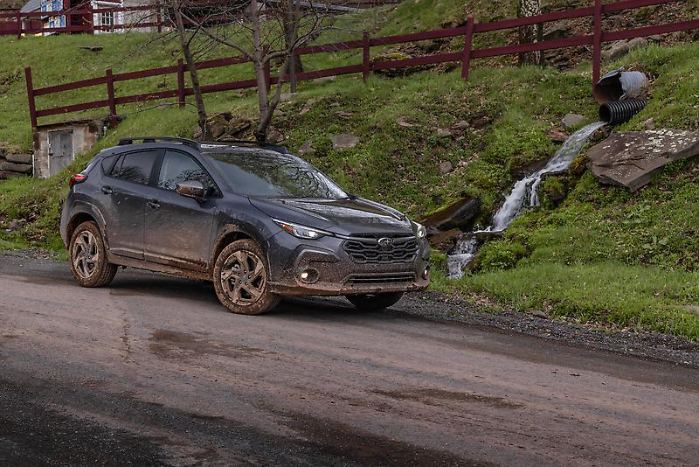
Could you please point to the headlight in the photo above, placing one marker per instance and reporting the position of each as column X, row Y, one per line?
column 420, row 230
column 301, row 231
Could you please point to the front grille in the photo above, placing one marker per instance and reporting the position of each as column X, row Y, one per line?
column 385, row 250
column 381, row 278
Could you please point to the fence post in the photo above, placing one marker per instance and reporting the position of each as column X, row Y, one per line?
column 30, row 95
column 69, row 21
column 468, row 47
column 110, row 94
column 597, row 45
column 90, row 18
column 19, row 24
column 180, row 82
column 366, row 60
column 159, row 19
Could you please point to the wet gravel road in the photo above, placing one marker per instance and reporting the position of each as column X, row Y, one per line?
column 154, row 371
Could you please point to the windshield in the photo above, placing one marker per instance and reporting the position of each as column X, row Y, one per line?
column 273, row 175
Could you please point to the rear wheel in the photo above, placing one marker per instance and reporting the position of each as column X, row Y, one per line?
column 374, row 302
column 241, row 279
column 88, row 257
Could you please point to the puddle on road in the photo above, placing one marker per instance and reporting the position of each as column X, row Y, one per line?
column 173, row 344
column 433, row 396
column 366, row 448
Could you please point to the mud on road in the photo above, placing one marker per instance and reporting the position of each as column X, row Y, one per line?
column 154, row 371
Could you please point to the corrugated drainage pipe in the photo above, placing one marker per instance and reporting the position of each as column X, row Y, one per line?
column 618, row 112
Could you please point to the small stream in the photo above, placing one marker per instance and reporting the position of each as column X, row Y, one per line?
column 524, row 195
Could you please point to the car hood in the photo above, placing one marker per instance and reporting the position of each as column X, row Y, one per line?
column 344, row 216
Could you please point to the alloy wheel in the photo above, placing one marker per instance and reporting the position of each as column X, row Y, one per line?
column 86, row 254
column 243, row 277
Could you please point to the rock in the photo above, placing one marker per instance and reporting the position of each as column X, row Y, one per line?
column 539, row 314
column 274, row 135
column 481, row 122
column 616, row 50
column 649, row 124
column 307, row 149
column 445, row 167
column 14, row 167
column 557, row 136
column 637, row 42
column 443, row 133
column 403, row 122
column 556, row 32
column 344, row 114
column 630, row 159
column 443, row 241
column 458, row 215
column 19, row 158
column 238, row 125
column 460, row 126
column 344, row 141
column 571, row 121
column 620, row 48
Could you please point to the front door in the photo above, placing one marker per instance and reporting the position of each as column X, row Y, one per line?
column 179, row 229
column 60, row 150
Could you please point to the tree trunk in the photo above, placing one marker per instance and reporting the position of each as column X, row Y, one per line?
column 291, row 34
column 194, row 75
column 530, row 34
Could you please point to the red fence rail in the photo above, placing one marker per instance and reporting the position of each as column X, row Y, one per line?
column 465, row 57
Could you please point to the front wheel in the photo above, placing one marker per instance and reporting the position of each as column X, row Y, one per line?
column 241, row 279
column 374, row 302
column 88, row 257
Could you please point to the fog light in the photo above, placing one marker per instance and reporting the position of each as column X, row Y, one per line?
column 426, row 273
column 309, row 276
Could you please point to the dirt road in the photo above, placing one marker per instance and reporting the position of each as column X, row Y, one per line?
column 154, row 371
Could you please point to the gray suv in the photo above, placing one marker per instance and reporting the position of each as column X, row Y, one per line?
column 257, row 221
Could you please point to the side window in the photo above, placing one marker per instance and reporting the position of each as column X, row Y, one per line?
column 135, row 167
column 179, row 167
column 108, row 164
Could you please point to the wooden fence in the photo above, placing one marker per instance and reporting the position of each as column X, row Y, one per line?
column 367, row 66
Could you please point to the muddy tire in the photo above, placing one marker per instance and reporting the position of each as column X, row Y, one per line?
column 88, row 257
column 374, row 302
column 241, row 279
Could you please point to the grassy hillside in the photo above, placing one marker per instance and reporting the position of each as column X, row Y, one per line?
column 604, row 255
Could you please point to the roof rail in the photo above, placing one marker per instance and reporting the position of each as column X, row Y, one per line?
column 250, row 143
column 154, row 139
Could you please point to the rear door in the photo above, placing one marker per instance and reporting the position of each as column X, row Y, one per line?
column 179, row 229
column 125, row 191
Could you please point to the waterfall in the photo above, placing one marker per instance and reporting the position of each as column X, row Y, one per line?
column 524, row 194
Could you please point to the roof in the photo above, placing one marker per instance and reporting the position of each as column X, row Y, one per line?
column 31, row 5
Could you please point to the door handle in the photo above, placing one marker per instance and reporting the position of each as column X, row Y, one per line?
column 107, row 190
column 153, row 204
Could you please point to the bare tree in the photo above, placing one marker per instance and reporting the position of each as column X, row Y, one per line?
column 185, row 38
column 530, row 34
column 264, row 32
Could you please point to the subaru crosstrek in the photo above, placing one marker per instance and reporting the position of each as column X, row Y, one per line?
column 257, row 221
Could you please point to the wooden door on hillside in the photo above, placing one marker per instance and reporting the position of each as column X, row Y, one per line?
column 60, row 150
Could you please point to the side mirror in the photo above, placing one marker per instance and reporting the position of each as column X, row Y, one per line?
column 191, row 189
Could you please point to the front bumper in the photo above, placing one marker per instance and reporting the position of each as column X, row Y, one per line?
column 332, row 271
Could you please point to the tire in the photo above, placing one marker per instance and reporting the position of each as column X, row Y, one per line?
column 88, row 257
column 241, row 279
column 374, row 302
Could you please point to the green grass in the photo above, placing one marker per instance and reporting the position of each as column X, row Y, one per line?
column 639, row 298
column 603, row 255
